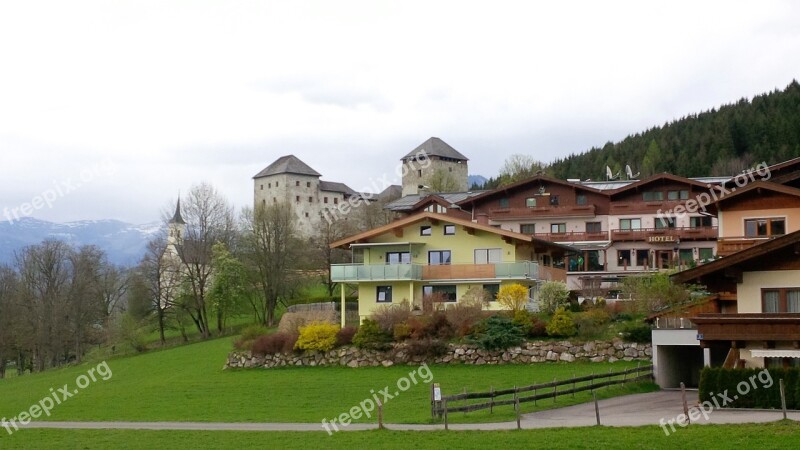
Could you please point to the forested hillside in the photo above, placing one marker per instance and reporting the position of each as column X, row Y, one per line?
column 716, row 142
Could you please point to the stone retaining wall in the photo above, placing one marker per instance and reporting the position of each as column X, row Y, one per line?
column 530, row 352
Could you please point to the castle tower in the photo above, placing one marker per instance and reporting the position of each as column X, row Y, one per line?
column 289, row 180
column 437, row 165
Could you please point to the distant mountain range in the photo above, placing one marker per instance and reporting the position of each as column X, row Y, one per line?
column 479, row 180
column 123, row 243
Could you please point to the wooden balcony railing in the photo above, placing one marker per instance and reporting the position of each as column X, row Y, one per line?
column 728, row 245
column 642, row 207
column 573, row 236
column 543, row 211
column 748, row 327
column 663, row 235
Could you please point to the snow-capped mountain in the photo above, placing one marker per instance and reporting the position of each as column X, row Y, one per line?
column 124, row 243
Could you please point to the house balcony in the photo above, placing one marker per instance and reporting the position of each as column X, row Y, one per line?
column 642, row 207
column 518, row 270
column 735, row 244
column 543, row 211
column 665, row 235
column 573, row 236
column 748, row 327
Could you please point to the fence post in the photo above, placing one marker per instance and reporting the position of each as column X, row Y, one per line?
column 516, row 407
column 555, row 390
column 591, row 383
column 444, row 405
column 610, row 371
column 596, row 408
column 573, row 384
column 465, row 401
column 380, row 415
column 685, row 405
column 783, row 398
column 491, row 400
column 534, row 394
column 433, row 402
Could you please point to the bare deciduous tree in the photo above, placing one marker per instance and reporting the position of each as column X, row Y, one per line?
column 270, row 249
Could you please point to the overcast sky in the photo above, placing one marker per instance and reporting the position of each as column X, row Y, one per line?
column 142, row 99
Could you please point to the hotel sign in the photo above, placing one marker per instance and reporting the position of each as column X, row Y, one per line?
column 657, row 239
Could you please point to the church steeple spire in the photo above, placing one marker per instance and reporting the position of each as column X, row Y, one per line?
column 176, row 218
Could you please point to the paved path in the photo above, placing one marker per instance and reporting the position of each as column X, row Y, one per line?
column 629, row 410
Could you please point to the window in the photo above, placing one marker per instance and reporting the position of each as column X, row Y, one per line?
column 438, row 257
column 530, row 202
column 503, row 202
column 558, row 228
column 310, row 199
column 705, row 254
column 527, row 228
column 553, row 200
column 384, row 294
column 630, row 224
column 425, row 230
column 297, row 199
column 666, row 222
column 593, row 227
column 492, row 289
column 781, row 300
column 306, row 214
column 419, row 173
column 642, row 257
column 262, row 187
column 297, row 183
column 623, row 258
column 269, row 185
column 678, row 195
column 446, row 291
column 699, row 222
column 685, row 255
column 580, row 199
column 398, row 258
column 335, row 201
column 488, row 255
column 276, row 184
column 653, row 196
column 325, row 199
column 308, row 184
column 449, row 230
column 764, row 227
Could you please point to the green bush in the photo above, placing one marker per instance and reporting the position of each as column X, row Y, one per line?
column 402, row 332
column 561, row 324
column 371, row 336
column 523, row 320
column 497, row 333
column 762, row 389
column 317, row 336
column 591, row 323
column 637, row 332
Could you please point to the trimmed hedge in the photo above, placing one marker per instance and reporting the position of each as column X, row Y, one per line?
column 750, row 388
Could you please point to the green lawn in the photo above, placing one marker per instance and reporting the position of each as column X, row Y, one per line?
column 778, row 435
column 188, row 384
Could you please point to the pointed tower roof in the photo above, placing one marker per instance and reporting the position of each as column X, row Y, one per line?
column 437, row 147
column 288, row 164
column 176, row 218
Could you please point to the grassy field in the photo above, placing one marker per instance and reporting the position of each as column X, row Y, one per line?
column 778, row 435
column 188, row 384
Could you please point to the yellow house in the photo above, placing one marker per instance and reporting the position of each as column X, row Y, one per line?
column 430, row 253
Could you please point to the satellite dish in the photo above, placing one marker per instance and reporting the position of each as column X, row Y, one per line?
column 630, row 173
column 610, row 175
column 541, row 189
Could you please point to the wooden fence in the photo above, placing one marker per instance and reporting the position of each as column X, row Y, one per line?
column 449, row 404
